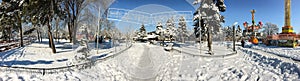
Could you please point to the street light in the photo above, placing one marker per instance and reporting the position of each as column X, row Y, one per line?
column 234, row 36
column 97, row 31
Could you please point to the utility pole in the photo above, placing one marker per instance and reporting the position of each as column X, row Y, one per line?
column 234, row 38
column 97, row 33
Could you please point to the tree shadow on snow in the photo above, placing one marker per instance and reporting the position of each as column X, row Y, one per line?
column 37, row 47
column 63, row 51
column 17, row 51
column 64, row 47
column 24, row 62
column 61, row 60
column 97, row 57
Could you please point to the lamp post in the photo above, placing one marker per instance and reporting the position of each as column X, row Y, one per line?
column 97, row 31
column 234, row 38
column 200, row 31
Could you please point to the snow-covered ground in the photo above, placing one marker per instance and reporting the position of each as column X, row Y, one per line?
column 145, row 62
column 293, row 53
column 202, row 49
column 137, row 64
column 39, row 55
column 245, row 65
column 142, row 62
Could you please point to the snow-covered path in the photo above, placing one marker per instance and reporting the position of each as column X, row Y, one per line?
column 142, row 61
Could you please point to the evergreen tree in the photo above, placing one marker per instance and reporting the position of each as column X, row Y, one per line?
column 182, row 29
column 160, row 31
column 142, row 31
column 209, row 11
column 170, row 31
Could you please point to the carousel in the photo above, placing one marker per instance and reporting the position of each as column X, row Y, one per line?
column 251, row 32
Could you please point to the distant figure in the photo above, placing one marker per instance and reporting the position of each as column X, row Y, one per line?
column 243, row 43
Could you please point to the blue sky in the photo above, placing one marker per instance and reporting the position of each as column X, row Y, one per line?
column 237, row 10
column 266, row 11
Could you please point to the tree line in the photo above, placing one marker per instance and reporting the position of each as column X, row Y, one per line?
column 14, row 14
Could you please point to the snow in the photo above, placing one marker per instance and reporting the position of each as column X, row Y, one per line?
column 243, row 66
column 293, row 53
column 39, row 55
column 143, row 61
column 218, row 50
column 151, row 36
column 287, row 69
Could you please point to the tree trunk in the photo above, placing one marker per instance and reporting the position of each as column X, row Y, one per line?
column 56, row 32
column 21, row 36
column 182, row 39
column 38, row 34
column 74, row 32
column 52, row 45
column 10, row 34
column 70, row 32
column 209, row 40
column 41, row 36
column 21, row 32
column 181, row 36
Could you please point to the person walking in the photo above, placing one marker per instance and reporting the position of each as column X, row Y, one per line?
column 243, row 43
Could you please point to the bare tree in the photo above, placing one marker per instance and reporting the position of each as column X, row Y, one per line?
column 87, row 17
column 73, row 8
column 270, row 29
column 100, row 6
column 129, row 33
